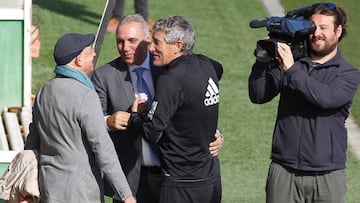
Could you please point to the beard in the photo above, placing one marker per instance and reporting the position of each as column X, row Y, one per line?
column 324, row 49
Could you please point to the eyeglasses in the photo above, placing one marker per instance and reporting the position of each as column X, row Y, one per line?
column 330, row 6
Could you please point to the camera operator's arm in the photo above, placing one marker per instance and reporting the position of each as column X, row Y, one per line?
column 264, row 81
column 285, row 56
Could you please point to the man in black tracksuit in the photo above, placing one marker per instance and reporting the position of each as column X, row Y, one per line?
column 184, row 115
column 310, row 139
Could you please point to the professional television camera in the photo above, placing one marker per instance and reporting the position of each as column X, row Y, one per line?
column 291, row 29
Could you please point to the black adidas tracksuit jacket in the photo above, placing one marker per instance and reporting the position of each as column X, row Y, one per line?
column 184, row 119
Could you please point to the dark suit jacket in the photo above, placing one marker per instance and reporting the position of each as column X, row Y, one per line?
column 113, row 85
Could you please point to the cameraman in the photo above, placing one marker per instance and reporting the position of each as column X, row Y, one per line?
column 310, row 139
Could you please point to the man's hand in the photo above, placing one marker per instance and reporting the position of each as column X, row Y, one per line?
column 118, row 121
column 285, row 58
column 215, row 147
column 130, row 199
column 139, row 105
column 25, row 199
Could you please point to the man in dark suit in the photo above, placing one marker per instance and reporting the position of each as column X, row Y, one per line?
column 117, row 85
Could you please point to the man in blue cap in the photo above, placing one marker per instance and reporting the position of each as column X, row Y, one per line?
column 69, row 132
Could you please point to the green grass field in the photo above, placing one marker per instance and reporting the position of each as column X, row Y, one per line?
column 223, row 33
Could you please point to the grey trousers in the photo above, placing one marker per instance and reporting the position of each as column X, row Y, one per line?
column 141, row 7
column 286, row 186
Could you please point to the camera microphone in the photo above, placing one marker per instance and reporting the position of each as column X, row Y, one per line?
column 260, row 22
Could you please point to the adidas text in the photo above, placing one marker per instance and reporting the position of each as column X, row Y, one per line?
column 212, row 100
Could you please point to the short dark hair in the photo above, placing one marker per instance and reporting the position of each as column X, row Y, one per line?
column 330, row 9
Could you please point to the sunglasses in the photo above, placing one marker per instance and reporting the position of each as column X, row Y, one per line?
column 330, row 6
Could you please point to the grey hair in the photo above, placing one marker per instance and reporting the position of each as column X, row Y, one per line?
column 136, row 18
column 177, row 28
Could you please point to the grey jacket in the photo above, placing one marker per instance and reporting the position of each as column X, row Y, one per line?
column 74, row 145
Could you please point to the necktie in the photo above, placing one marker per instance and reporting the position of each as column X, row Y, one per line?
column 150, row 154
column 142, row 86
